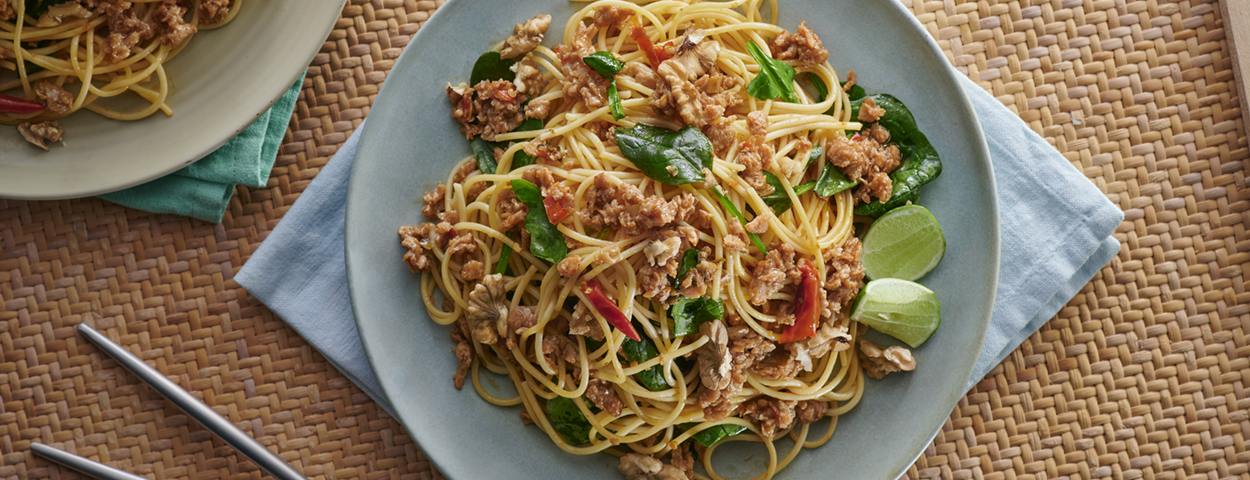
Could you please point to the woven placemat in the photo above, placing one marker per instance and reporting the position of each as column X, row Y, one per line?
column 1143, row 375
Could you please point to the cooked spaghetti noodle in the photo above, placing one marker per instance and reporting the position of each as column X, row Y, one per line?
column 637, row 246
column 69, row 54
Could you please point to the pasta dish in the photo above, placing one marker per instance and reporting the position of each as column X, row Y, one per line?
column 61, row 56
column 655, row 237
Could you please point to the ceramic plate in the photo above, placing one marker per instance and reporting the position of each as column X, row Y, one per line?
column 410, row 142
column 221, row 82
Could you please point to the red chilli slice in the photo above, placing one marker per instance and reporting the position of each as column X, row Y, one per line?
column 606, row 307
column 807, row 306
column 556, row 211
column 18, row 105
column 654, row 55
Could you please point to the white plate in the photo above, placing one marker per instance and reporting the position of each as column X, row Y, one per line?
column 221, row 82
column 410, row 142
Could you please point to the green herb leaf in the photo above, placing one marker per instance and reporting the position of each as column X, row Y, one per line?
column 855, row 93
column 815, row 154
column 729, row 206
column 822, row 90
column 709, row 436
column 504, row 256
column 603, row 63
column 568, row 420
column 920, row 164
column 832, row 181
column 688, row 260
column 689, row 313
column 484, row 153
column 490, row 66
column 520, row 158
column 36, row 8
column 641, row 351
column 614, row 101
column 546, row 241
column 672, row 158
column 778, row 200
column 775, row 80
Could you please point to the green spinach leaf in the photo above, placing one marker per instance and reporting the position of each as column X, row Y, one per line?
column 778, row 200
column 603, row 63
column 815, row 154
column 546, row 241
column 689, row 313
column 709, row 436
column 484, row 153
column 775, row 80
column 608, row 66
column 504, row 256
column 614, row 101
column 729, row 206
column 672, row 158
column 855, row 93
column 688, row 260
column 520, row 158
column 641, row 351
column 568, row 420
column 36, row 8
column 490, row 66
column 832, row 181
column 920, row 165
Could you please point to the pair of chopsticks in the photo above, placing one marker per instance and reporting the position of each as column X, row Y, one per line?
column 218, row 425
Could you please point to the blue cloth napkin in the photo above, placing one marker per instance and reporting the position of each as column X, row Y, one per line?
column 1056, row 229
column 203, row 189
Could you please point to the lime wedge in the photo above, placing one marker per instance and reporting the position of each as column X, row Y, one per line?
column 904, row 243
column 899, row 308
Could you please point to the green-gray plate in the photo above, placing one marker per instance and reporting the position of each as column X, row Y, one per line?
column 410, row 142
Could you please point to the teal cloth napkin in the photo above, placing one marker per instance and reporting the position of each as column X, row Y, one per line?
column 203, row 189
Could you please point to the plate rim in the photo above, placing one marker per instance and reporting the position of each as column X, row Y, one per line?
column 245, row 117
column 368, row 137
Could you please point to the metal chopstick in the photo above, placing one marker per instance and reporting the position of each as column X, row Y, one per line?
column 85, row 466
column 222, row 428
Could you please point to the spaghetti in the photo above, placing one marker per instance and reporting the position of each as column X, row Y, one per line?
column 648, row 244
column 65, row 55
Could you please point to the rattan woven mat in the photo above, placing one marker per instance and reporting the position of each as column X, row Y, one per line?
column 1143, row 375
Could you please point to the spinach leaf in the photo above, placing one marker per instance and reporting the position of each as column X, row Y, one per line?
column 672, row 158
column 608, row 66
column 688, row 261
column 711, row 435
column 832, row 181
column 546, row 241
column 36, row 8
column 815, row 154
column 520, row 158
column 484, row 153
column 614, row 101
column 568, row 420
column 504, row 256
column 855, row 93
column 920, row 165
column 603, row 63
column 490, row 66
column 778, row 200
column 689, row 313
column 822, row 90
column 729, row 206
column 775, row 80
column 641, row 351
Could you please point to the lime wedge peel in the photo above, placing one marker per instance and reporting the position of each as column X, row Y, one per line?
column 901, row 309
column 905, row 243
